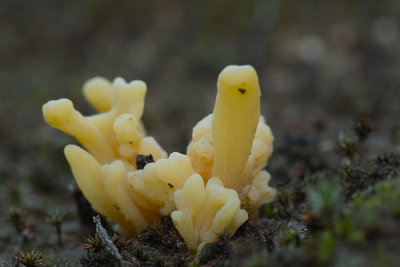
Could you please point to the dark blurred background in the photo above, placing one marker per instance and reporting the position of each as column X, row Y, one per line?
column 320, row 63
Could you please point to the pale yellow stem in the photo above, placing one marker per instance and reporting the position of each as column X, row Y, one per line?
column 98, row 92
column 235, row 118
column 61, row 114
column 89, row 176
column 128, row 98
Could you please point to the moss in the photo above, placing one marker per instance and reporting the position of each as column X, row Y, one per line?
column 161, row 245
column 360, row 175
column 94, row 259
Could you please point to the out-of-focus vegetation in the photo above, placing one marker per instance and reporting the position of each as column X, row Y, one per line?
column 320, row 64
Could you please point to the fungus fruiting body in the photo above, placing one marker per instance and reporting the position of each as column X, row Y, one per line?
column 204, row 191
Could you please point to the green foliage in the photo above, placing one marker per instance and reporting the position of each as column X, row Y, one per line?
column 161, row 244
column 278, row 208
column 56, row 218
column 358, row 176
column 93, row 243
column 293, row 235
column 31, row 258
column 347, row 143
column 325, row 199
column 16, row 215
column 122, row 242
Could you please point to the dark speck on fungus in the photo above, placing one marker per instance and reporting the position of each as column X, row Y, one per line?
column 242, row 91
column 143, row 160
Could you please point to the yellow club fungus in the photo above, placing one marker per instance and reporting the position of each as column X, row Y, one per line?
column 203, row 191
column 234, row 143
column 204, row 212
column 113, row 138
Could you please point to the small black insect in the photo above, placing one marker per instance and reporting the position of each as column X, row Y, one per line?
column 143, row 160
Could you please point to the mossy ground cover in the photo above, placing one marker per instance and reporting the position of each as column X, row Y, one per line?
column 346, row 215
